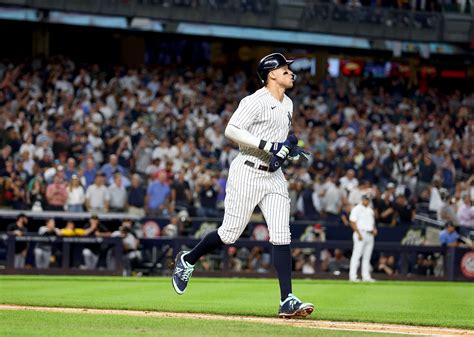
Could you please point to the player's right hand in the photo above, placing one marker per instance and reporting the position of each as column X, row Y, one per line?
column 280, row 150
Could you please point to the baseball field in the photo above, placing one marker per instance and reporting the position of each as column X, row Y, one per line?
column 115, row 306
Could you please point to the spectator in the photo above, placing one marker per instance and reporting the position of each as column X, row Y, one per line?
column 208, row 189
column 309, row 203
column 158, row 194
column 35, row 195
column 118, row 194
column 448, row 236
column 171, row 230
column 21, row 247
column 90, row 172
column 384, row 208
column 111, row 168
column 235, row 263
column 306, row 263
column 426, row 172
column 405, row 212
column 97, row 195
column 57, row 194
column 259, row 260
column 43, row 250
column 5, row 156
column 136, row 197
column 76, row 196
column 466, row 212
column 91, row 252
column 448, row 211
column 338, row 262
column 227, row 155
column 356, row 193
column 386, row 264
column 181, row 195
column 19, row 197
column 334, row 197
column 349, row 181
column 71, row 169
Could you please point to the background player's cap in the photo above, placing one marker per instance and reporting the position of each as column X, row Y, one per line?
column 269, row 63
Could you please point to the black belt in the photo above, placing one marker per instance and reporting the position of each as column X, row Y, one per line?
column 259, row 167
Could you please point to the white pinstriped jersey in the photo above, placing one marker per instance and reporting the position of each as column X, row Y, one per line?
column 266, row 118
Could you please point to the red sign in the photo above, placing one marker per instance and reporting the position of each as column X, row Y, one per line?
column 351, row 67
column 467, row 265
column 151, row 229
column 453, row 73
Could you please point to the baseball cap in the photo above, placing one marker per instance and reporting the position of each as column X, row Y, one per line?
column 317, row 226
column 390, row 185
column 94, row 216
column 449, row 223
column 365, row 196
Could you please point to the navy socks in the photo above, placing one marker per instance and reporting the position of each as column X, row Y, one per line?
column 208, row 243
column 282, row 263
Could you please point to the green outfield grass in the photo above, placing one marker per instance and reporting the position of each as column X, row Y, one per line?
column 417, row 303
column 27, row 323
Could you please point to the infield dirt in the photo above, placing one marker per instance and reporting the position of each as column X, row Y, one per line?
column 312, row 324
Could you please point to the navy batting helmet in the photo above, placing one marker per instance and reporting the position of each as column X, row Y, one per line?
column 269, row 63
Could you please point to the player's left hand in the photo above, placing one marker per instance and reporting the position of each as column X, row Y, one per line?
column 297, row 153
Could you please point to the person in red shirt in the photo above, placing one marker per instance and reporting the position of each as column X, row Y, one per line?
column 56, row 194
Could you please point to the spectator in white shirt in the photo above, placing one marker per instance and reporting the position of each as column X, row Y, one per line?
column 28, row 146
column 333, row 197
column 355, row 196
column 97, row 195
column 362, row 221
column 76, row 196
column 349, row 181
column 466, row 212
column 163, row 152
column 118, row 194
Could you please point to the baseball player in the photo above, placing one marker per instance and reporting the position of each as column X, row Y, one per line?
column 260, row 126
column 363, row 224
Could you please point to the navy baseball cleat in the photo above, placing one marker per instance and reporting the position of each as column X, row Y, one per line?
column 182, row 273
column 292, row 307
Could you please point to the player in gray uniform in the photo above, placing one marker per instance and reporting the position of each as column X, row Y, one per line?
column 260, row 126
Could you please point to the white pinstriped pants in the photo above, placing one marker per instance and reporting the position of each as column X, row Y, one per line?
column 248, row 187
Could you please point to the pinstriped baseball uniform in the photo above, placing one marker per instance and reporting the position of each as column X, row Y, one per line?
column 248, row 185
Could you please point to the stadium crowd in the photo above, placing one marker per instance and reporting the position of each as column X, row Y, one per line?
column 149, row 141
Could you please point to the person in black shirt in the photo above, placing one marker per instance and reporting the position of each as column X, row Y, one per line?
column 208, row 190
column 136, row 197
column 426, row 172
column 404, row 210
column 21, row 248
column 181, row 195
column 384, row 209
column 91, row 252
column 4, row 156
column 43, row 250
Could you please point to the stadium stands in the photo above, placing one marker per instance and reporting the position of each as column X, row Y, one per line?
column 149, row 141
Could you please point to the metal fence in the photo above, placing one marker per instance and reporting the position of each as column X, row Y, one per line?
column 308, row 16
column 159, row 254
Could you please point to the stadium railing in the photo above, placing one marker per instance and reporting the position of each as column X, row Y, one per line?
column 294, row 15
